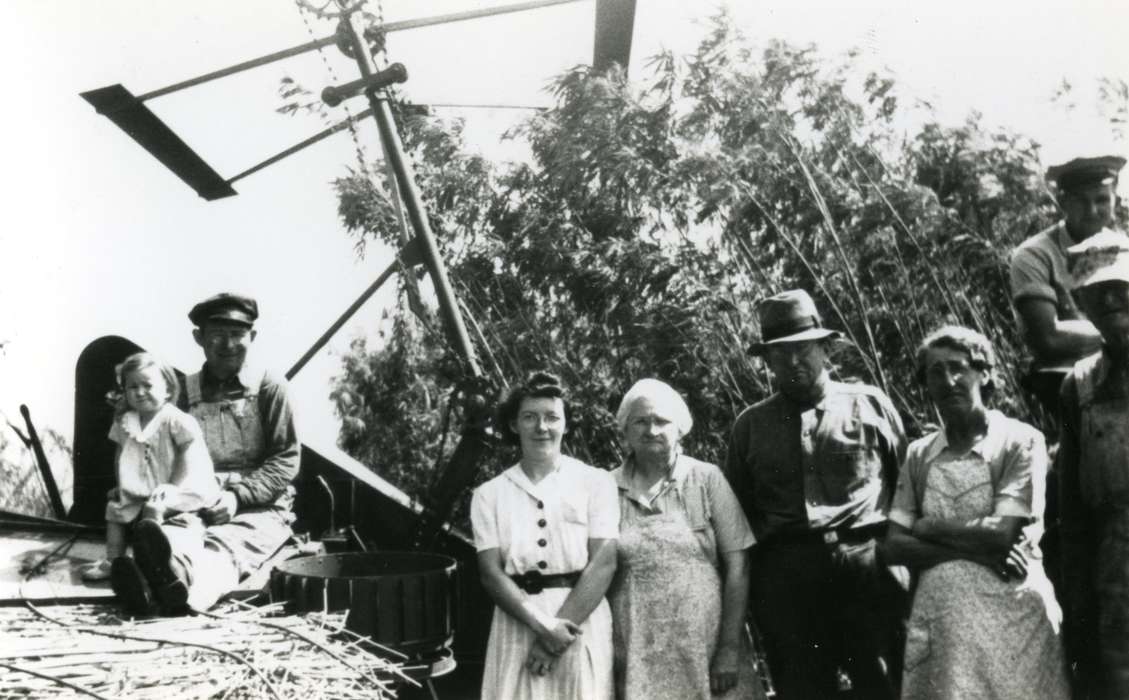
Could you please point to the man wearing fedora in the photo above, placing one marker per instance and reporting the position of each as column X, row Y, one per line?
column 1056, row 332
column 248, row 426
column 814, row 466
column 1094, row 476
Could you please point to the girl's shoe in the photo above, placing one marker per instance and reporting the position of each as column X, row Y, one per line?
column 98, row 571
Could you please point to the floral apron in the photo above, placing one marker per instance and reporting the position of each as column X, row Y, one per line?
column 972, row 635
column 666, row 609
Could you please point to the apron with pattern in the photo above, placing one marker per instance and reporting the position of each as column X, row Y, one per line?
column 666, row 609
column 971, row 634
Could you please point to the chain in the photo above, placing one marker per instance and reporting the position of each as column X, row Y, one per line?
column 303, row 8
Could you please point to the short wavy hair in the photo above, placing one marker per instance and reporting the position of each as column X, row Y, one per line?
column 661, row 394
column 539, row 385
column 981, row 354
column 139, row 361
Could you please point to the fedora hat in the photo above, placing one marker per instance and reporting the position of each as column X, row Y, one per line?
column 789, row 317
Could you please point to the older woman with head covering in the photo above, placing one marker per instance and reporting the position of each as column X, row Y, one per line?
column 681, row 587
column 968, row 505
column 545, row 533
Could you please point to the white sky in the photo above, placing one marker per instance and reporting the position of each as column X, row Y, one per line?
column 98, row 238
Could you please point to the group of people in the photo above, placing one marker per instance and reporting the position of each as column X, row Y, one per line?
column 204, row 469
column 868, row 566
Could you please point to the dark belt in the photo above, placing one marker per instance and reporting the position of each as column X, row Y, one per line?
column 533, row 582
column 829, row 536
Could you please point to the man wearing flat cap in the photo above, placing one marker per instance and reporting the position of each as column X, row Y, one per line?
column 1054, row 329
column 248, row 426
column 1094, row 476
column 814, row 467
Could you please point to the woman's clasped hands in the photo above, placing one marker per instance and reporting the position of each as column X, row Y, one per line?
column 551, row 642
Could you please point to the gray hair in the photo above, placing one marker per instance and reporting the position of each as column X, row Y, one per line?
column 661, row 394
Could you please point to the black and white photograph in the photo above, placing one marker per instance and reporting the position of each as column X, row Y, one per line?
column 565, row 350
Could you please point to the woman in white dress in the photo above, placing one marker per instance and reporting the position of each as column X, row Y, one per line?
column 966, row 518
column 545, row 531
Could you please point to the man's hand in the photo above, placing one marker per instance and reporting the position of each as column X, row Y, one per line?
column 223, row 511
column 541, row 660
column 723, row 669
column 559, row 635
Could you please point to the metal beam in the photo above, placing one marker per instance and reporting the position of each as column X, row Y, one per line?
column 147, row 129
column 615, row 25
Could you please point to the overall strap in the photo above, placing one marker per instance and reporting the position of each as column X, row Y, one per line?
column 255, row 384
column 1085, row 372
column 192, row 386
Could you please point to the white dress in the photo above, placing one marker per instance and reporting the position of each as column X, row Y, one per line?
column 148, row 456
column 564, row 510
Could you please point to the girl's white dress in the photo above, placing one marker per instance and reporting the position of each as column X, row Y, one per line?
column 147, row 458
column 546, row 527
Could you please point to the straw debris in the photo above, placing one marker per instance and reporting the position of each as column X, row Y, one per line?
column 88, row 651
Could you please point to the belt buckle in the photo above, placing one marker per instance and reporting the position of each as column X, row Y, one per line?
column 830, row 537
column 534, row 582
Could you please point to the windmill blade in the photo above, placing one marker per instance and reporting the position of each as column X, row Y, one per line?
column 615, row 23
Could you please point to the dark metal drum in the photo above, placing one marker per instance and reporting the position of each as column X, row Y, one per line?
column 403, row 600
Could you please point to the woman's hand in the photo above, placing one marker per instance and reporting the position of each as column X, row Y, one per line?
column 723, row 669
column 558, row 634
column 541, row 660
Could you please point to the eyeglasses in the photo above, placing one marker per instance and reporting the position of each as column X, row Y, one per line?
column 234, row 335
column 939, row 371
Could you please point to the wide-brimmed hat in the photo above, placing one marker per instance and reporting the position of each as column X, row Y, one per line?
column 1102, row 257
column 789, row 317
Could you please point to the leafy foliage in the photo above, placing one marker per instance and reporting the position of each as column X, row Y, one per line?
column 651, row 218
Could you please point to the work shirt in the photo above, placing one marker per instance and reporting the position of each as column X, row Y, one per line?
column 267, row 480
column 1093, row 462
column 829, row 465
column 1039, row 270
column 696, row 491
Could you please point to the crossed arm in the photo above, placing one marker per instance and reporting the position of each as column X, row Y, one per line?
column 988, row 541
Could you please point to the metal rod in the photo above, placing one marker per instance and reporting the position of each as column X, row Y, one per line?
column 334, row 95
column 326, row 41
column 240, row 67
column 325, row 133
column 320, row 342
column 413, row 202
column 44, row 466
column 472, row 14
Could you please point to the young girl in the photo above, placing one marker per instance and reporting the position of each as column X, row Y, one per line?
column 163, row 466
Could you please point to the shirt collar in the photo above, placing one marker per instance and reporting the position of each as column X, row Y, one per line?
column 245, row 377
column 518, row 477
column 1062, row 237
column 985, row 446
column 674, row 477
column 131, row 423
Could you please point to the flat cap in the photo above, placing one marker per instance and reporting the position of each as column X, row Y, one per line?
column 1084, row 172
column 225, row 306
column 1102, row 257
